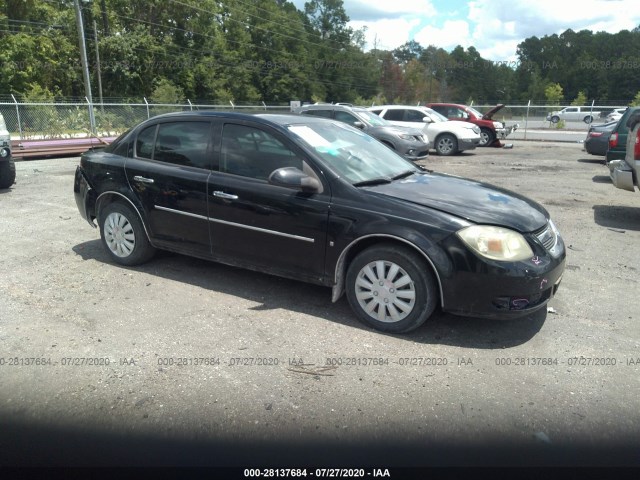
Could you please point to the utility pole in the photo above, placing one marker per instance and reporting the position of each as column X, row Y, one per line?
column 95, row 36
column 85, row 65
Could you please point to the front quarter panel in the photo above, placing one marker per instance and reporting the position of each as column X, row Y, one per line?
column 358, row 223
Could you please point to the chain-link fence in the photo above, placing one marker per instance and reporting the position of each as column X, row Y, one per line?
column 72, row 119
column 65, row 119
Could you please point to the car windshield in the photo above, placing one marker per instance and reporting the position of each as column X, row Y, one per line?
column 475, row 112
column 352, row 154
column 435, row 116
column 372, row 118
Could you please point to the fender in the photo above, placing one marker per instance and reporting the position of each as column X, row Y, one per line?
column 339, row 274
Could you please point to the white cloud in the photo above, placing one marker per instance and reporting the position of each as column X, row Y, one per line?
column 359, row 10
column 450, row 35
column 493, row 27
column 386, row 34
column 499, row 26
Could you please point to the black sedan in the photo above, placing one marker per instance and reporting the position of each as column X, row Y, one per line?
column 597, row 142
column 320, row 201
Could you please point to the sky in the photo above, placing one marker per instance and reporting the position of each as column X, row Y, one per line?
column 493, row 27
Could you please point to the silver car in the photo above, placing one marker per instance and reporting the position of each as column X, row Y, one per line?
column 411, row 143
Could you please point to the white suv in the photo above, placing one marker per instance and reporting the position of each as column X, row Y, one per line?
column 7, row 166
column 448, row 138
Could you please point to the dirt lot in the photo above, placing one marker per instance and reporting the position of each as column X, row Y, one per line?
column 185, row 362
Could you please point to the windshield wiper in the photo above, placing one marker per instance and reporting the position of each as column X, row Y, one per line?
column 404, row 174
column 373, row 181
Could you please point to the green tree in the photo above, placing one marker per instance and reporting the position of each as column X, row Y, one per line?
column 636, row 101
column 580, row 100
column 553, row 94
column 167, row 92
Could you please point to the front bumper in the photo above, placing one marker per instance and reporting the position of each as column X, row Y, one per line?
column 417, row 153
column 468, row 143
column 504, row 132
column 622, row 175
column 501, row 290
column 5, row 150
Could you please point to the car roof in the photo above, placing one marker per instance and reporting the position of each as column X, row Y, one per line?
column 448, row 104
column 391, row 107
column 273, row 119
column 333, row 106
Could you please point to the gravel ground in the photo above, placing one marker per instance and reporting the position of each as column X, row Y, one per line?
column 105, row 365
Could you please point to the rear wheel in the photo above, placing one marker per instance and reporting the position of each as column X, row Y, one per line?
column 7, row 173
column 391, row 288
column 446, row 144
column 588, row 119
column 123, row 235
column 486, row 137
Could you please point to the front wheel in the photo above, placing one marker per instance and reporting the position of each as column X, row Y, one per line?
column 7, row 173
column 486, row 137
column 391, row 288
column 446, row 144
column 123, row 235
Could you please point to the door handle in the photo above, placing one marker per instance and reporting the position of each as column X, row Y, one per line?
column 138, row 178
column 227, row 196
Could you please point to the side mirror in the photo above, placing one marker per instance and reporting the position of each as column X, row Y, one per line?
column 359, row 125
column 427, row 120
column 291, row 177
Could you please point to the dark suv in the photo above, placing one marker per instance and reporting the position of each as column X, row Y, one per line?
column 7, row 166
column 618, row 138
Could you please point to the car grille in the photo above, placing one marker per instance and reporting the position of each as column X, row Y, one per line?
column 547, row 236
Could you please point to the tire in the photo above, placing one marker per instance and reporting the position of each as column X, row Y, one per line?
column 446, row 144
column 555, row 119
column 7, row 173
column 123, row 235
column 388, row 281
column 588, row 119
column 487, row 137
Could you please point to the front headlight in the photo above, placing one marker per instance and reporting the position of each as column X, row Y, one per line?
column 496, row 243
column 406, row 137
column 476, row 129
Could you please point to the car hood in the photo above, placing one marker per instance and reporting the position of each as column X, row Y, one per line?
column 474, row 201
column 397, row 130
column 489, row 115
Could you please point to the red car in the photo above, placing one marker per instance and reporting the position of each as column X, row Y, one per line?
column 491, row 132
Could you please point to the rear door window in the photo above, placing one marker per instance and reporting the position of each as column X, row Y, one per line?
column 145, row 141
column 184, row 143
column 346, row 118
column 180, row 143
column 395, row 114
column 318, row 113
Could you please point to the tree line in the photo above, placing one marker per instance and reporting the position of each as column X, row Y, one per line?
column 249, row 51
